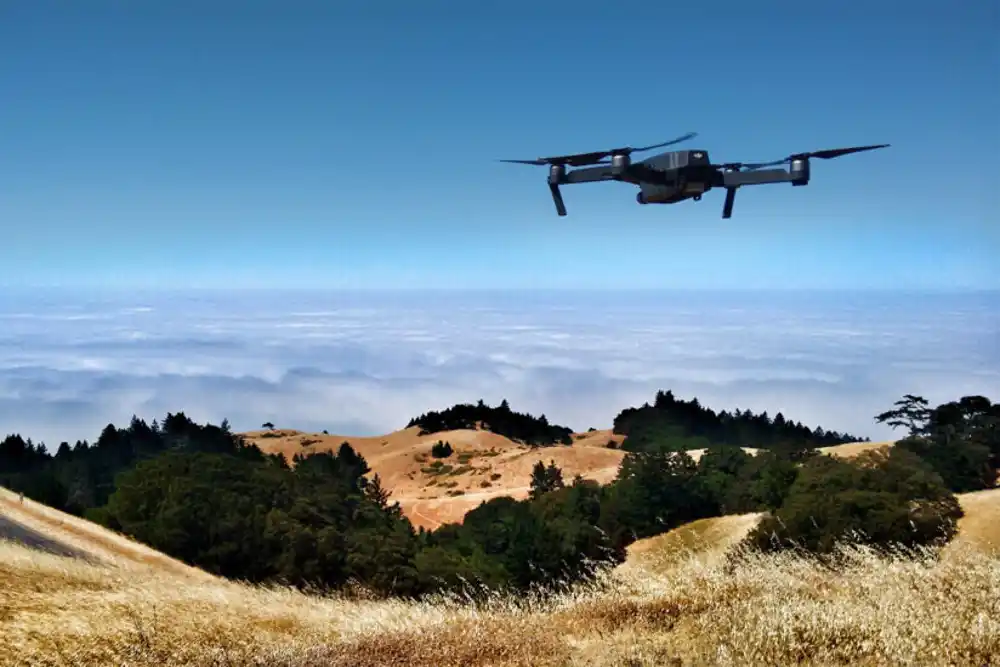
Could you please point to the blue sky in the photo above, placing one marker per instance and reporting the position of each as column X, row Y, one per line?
column 332, row 144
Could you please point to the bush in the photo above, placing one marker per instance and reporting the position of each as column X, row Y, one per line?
column 882, row 498
column 441, row 450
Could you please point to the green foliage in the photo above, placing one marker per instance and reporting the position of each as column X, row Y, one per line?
column 202, row 494
column 959, row 439
column 671, row 424
column 719, row 471
column 519, row 427
column 762, row 484
column 441, row 450
column 653, row 493
column 881, row 498
column 545, row 479
column 436, row 468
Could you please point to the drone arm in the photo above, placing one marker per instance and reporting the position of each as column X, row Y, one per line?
column 735, row 179
column 589, row 175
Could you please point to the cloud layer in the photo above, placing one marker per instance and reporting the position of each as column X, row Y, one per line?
column 365, row 363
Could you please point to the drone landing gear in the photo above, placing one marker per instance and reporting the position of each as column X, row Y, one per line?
column 557, row 198
column 557, row 172
column 727, row 207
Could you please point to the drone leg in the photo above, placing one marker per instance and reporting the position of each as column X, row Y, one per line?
column 557, row 198
column 727, row 207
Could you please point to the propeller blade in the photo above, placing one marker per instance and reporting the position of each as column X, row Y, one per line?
column 828, row 154
column 595, row 157
column 689, row 135
column 837, row 152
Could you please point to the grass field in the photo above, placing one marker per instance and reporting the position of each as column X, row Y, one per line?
column 678, row 600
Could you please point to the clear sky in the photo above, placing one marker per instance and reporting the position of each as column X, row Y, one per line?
column 352, row 144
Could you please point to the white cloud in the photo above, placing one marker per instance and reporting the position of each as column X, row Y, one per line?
column 365, row 363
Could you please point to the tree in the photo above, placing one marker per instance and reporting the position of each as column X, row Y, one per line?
column 881, row 498
column 959, row 439
column 911, row 413
column 719, row 473
column 761, row 484
column 441, row 450
column 520, row 427
column 268, row 425
column 545, row 479
column 653, row 493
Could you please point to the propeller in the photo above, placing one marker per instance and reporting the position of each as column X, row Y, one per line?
column 596, row 157
column 822, row 155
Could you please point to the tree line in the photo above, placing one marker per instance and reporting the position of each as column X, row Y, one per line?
column 205, row 495
column 517, row 426
column 672, row 424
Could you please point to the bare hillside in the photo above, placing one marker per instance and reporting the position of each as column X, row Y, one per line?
column 484, row 465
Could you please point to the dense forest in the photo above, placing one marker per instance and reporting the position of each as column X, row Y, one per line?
column 518, row 426
column 672, row 424
column 203, row 494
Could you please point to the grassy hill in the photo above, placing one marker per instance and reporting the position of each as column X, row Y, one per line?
column 744, row 561
column 484, row 464
column 681, row 598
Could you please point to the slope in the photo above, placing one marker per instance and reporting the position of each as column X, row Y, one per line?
column 484, row 465
column 140, row 609
column 51, row 530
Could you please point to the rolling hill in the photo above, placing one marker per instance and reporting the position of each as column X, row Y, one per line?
column 676, row 600
column 484, row 465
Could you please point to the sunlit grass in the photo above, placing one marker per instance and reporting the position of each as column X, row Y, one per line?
column 749, row 609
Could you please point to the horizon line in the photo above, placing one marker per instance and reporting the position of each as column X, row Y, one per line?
column 496, row 289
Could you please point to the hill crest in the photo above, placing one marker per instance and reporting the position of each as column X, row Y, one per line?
column 484, row 464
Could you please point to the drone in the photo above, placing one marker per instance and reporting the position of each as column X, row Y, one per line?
column 674, row 176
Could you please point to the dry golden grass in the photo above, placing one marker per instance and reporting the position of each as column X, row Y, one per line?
column 980, row 527
column 482, row 456
column 96, row 542
column 854, row 448
column 759, row 611
column 398, row 458
column 706, row 541
column 677, row 601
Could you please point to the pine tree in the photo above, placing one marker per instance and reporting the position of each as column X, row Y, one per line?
column 544, row 479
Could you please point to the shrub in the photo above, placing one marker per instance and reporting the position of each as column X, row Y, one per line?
column 883, row 497
column 441, row 450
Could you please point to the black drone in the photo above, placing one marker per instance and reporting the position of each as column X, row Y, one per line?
column 668, row 178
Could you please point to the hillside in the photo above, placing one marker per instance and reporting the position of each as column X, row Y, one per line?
column 64, row 533
column 315, row 511
column 484, row 465
column 674, row 602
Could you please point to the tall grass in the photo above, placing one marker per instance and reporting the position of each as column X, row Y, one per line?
column 912, row 608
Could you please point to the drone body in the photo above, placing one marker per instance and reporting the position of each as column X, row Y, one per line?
column 671, row 177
